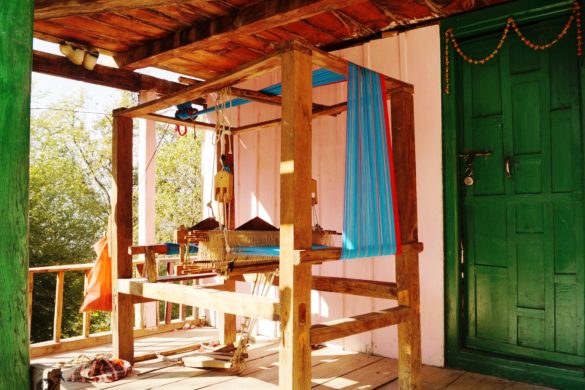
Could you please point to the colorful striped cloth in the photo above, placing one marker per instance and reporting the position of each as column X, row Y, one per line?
column 370, row 220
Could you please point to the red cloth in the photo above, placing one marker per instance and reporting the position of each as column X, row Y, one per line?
column 98, row 295
column 101, row 370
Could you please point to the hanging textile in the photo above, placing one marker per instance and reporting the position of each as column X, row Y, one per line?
column 370, row 219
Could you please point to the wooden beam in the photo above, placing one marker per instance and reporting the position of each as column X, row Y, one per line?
column 50, row 9
column 58, row 306
column 343, row 327
column 407, row 273
column 244, row 72
column 174, row 121
column 257, row 96
column 295, row 221
column 249, row 20
column 336, row 64
column 361, row 287
column 106, row 76
column 121, row 237
column 212, row 299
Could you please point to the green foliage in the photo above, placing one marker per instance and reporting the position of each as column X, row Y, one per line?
column 178, row 181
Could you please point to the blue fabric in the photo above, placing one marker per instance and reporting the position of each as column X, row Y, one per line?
column 263, row 251
column 173, row 248
column 321, row 77
column 369, row 223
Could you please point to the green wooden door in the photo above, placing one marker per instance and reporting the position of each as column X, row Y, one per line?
column 522, row 218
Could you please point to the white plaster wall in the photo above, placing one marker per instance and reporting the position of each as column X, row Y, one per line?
column 413, row 56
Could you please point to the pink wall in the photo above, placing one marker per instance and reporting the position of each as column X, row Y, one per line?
column 415, row 57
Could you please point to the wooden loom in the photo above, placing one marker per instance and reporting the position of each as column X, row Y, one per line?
column 296, row 256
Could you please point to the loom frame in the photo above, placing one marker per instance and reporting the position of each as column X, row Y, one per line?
column 295, row 59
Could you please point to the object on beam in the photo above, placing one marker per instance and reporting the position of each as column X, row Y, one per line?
column 106, row 76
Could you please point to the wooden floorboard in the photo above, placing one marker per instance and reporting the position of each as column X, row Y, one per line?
column 331, row 369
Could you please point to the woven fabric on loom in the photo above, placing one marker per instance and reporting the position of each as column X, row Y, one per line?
column 370, row 220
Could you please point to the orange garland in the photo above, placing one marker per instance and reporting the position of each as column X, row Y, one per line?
column 511, row 23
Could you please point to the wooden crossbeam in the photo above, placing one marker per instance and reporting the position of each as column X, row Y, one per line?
column 181, row 122
column 245, row 72
column 361, row 287
column 50, row 9
column 343, row 327
column 228, row 302
column 252, row 19
column 106, row 76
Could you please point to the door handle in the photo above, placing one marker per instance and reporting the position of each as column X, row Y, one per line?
column 507, row 167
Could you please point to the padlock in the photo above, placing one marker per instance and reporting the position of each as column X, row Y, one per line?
column 223, row 184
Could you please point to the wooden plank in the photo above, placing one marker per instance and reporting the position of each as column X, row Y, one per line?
column 229, row 302
column 295, row 221
column 31, row 279
column 361, row 287
column 58, row 306
column 106, row 76
column 121, row 236
column 249, row 20
column 160, row 249
column 245, row 72
column 50, row 9
column 344, row 327
column 407, row 273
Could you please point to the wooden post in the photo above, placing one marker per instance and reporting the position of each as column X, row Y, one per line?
column 407, row 275
column 87, row 313
column 227, row 322
column 31, row 280
column 121, row 237
column 58, row 306
column 16, row 55
column 295, row 220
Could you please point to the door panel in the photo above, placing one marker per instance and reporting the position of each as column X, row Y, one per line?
column 523, row 216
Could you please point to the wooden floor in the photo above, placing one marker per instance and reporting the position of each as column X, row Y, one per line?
column 332, row 369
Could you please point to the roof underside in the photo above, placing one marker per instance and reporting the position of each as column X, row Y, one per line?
column 206, row 38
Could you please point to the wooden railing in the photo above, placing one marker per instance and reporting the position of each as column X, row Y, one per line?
column 86, row 339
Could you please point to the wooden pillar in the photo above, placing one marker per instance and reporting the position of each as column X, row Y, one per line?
column 295, row 221
column 15, row 58
column 121, row 236
column 407, row 275
column 227, row 322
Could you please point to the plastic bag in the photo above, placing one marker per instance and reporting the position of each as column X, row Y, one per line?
column 98, row 295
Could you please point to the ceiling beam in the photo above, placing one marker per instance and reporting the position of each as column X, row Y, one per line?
column 106, row 76
column 50, row 9
column 249, row 20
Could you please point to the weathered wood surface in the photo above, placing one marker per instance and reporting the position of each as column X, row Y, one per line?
column 245, row 72
column 295, row 221
column 58, row 315
column 15, row 60
column 50, row 9
column 121, row 236
column 344, row 327
column 106, row 76
column 407, row 273
column 229, row 302
column 361, row 287
column 249, row 20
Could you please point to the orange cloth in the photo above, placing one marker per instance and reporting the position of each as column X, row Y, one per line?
column 98, row 294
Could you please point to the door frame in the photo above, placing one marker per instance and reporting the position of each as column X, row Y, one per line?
column 456, row 355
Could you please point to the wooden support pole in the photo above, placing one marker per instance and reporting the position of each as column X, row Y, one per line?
column 121, row 236
column 227, row 322
column 31, row 280
column 407, row 275
column 87, row 313
column 58, row 306
column 15, row 59
column 295, row 221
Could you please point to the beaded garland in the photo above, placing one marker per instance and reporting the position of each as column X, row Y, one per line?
column 511, row 24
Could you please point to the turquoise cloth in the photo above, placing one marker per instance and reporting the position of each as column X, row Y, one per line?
column 269, row 251
column 370, row 221
column 173, row 248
